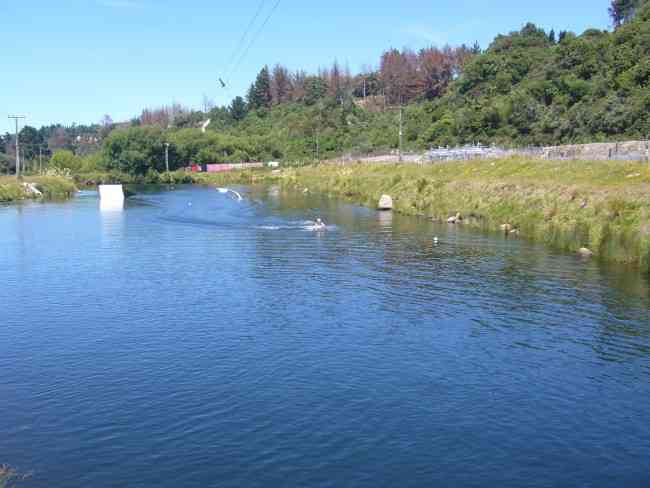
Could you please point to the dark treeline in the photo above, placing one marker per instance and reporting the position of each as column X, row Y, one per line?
column 529, row 87
column 42, row 143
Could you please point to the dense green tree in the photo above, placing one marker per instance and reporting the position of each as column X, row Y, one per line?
column 250, row 97
column 238, row 109
column 220, row 118
column 315, row 89
column 367, row 84
column 5, row 160
column 30, row 140
column 622, row 11
column 65, row 159
column 136, row 150
column 526, row 90
column 5, row 163
column 193, row 118
column 259, row 96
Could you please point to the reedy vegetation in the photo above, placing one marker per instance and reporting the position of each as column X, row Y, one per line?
column 600, row 205
column 52, row 187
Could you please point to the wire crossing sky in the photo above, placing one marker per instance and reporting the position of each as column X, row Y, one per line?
column 76, row 60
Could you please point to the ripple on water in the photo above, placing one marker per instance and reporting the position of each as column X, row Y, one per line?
column 221, row 343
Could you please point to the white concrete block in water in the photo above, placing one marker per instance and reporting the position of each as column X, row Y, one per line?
column 111, row 197
column 111, row 193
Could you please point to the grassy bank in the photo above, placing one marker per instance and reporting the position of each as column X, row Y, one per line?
column 600, row 205
column 51, row 187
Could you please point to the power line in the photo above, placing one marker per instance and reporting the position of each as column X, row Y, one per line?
column 240, row 44
column 257, row 34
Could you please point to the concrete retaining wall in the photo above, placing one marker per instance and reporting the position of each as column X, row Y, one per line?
column 627, row 151
column 623, row 151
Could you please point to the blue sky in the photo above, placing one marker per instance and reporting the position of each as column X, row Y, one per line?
column 76, row 60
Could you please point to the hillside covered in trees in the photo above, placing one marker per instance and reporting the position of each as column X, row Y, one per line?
column 529, row 87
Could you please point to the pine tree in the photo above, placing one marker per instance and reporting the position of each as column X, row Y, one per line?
column 622, row 11
column 251, row 97
column 551, row 36
column 315, row 89
column 262, row 90
column 238, row 109
column 334, row 84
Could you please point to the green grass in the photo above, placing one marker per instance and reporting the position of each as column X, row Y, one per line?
column 52, row 187
column 601, row 205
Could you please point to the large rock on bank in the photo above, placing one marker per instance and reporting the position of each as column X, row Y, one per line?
column 385, row 203
column 31, row 189
column 585, row 252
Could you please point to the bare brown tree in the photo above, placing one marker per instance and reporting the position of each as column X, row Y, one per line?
column 299, row 90
column 280, row 85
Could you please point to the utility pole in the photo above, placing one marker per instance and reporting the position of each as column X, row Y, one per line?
column 16, row 117
column 401, row 132
column 167, row 157
column 320, row 115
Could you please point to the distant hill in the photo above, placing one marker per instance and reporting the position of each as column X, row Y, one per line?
column 530, row 88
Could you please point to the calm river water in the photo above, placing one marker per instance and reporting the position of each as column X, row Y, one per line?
column 190, row 340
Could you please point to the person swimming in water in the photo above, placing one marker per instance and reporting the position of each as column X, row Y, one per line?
column 319, row 225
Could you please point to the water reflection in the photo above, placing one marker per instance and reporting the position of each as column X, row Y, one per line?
column 273, row 193
column 248, row 336
column 385, row 219
column 112, row 220
column 496, row 283
column 108, row 205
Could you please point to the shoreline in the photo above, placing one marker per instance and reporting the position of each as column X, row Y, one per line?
column 35, row 188
column 599, row 209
